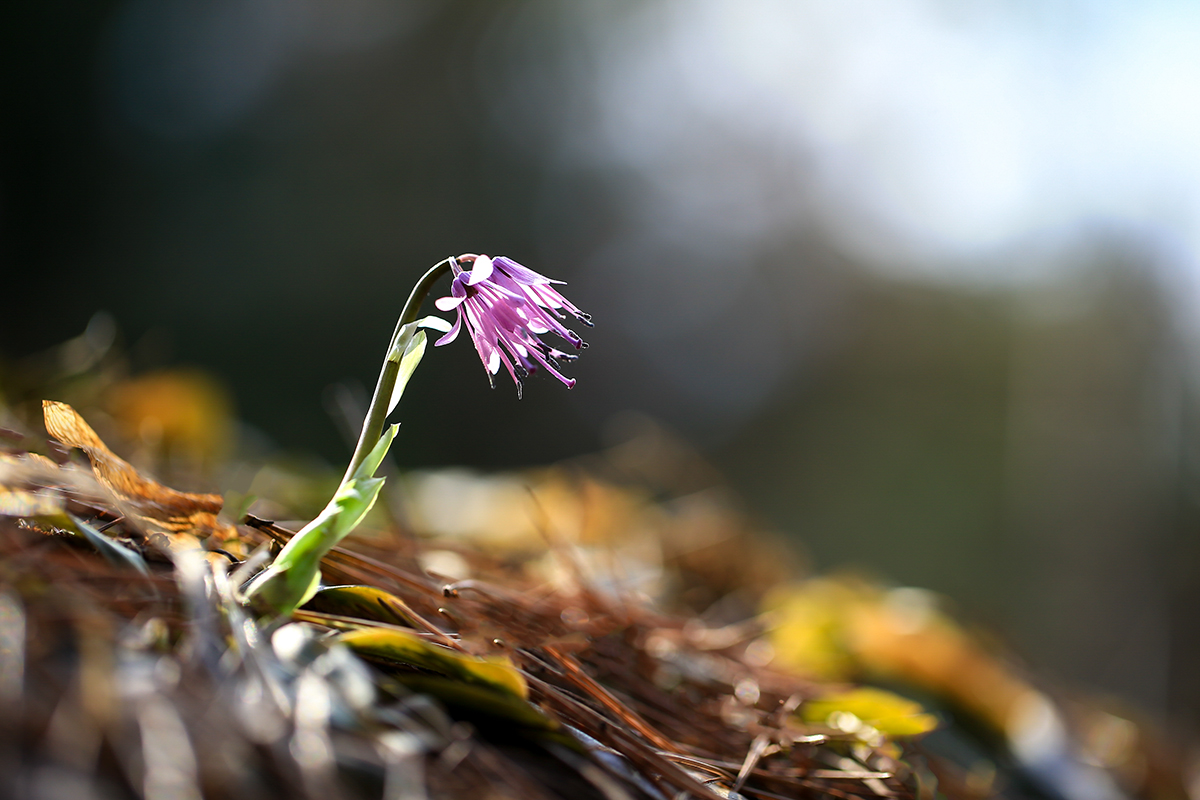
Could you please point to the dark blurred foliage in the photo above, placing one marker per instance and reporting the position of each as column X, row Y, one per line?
column 276, row 247
column 252, row 187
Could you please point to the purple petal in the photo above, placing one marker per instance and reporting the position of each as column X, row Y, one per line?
column 520, row 274
column 452, row 334
column 505, row 308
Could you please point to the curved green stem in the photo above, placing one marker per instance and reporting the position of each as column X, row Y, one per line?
column 377, row 412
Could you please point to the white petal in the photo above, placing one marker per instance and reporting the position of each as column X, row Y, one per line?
column 481, row 271
column 434, row 323
column 448, row 303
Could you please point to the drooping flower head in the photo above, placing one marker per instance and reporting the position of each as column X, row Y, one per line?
column 506, row 308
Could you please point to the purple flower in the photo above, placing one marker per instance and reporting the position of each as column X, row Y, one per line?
column 506, row 308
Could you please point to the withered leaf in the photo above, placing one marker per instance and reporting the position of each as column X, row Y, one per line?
column 160, row 509
column 495, row 673
column 362, row 602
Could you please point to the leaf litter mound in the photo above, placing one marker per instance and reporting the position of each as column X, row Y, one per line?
column 129, row 666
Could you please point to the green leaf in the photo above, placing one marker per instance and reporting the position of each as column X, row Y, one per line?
column 356, row 498
column 414, row 351
column 402, row 647
column 345, row 511
column 295, row 575
column 377, row 454
column 282, row 590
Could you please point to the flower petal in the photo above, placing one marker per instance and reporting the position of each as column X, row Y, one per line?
column 505, row 308
column 481, row 271
column 452, row 334
column 448, row 303
column 434, row 324
column 520, row 273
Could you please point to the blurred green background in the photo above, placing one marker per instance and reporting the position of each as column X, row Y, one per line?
column 919, row 277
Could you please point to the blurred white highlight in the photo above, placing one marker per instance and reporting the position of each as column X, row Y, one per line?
column 975, row 145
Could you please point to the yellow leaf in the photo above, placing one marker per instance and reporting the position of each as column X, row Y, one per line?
column 808, row 634
column 397, row 646
column 360, row 602
column 469, row 698
column 884, row 711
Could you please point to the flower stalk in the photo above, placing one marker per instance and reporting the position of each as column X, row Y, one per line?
column 505, row 308
column 378, row 411
column 295, row 575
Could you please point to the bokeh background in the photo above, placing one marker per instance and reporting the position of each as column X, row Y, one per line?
column 919, row 277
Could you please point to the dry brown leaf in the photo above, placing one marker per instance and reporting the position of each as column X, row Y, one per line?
column 180, row 516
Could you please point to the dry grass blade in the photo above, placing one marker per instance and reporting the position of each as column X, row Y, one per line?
column 757, row 748
column 573, row 672
column 604, row 730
